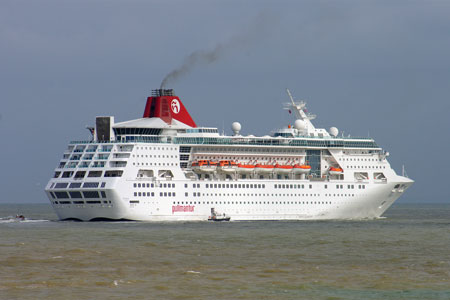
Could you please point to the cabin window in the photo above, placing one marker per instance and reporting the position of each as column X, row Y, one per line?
column 75, row 195
column 95, row 174
column 90, row 184
column 61, row 195
column 90, row 194
column 67, row 174
column 61, row 185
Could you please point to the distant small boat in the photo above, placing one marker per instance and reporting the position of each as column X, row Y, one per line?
column 20, row 217
column 218, row 217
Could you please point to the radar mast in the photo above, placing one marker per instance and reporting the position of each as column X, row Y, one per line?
column 299, row 109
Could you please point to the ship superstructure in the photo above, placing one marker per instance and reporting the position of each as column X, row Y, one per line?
column 163, row 167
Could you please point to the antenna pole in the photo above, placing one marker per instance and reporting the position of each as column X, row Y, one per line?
column 290, row 96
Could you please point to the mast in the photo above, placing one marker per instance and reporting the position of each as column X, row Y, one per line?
column 299, row 109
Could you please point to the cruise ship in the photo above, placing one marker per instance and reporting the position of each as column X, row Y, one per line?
column 163, row 167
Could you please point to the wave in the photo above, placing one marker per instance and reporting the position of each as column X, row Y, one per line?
column 18, row 219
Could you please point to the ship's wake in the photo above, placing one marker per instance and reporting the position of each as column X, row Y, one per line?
column 20, row 219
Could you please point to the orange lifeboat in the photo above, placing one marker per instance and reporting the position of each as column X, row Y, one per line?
column 335, row 171
column 284, row 169
column 243, row 168
column 204, row 166
column 260, row 168
column 301, row 169
column 227, row 166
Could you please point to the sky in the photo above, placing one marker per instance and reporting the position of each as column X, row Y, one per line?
column 370, row 68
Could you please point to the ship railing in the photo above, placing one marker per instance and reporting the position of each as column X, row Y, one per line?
column 259, row 141
column 275, row 142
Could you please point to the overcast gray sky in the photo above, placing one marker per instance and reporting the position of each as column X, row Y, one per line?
column 378, row 68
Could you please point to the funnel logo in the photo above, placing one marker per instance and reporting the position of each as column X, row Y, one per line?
column 175, row 105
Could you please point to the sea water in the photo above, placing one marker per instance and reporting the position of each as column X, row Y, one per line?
column 405, row 255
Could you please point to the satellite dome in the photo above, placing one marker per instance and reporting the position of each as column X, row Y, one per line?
column 334, row 131
column 299, row 124
column 236, row 127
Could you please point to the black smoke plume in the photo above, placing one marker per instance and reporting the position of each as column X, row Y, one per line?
column 194, row 59
column 202, row 57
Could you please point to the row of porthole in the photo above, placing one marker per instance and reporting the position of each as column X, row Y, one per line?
column 362, row 159
column 235, row 185
column 365, row 167
column 266, row 195
column 173, row 194
column 148, row 185
column 159, row 156
column 152, row 194
column 251, row 202
column 156, row 164
column 247, row 158
column 156, row 148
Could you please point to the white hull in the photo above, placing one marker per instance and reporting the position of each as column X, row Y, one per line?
column 289, row 204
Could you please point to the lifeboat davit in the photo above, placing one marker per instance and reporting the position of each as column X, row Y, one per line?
column 301, row 169
column 283, row 169
column 243, row 168
column 260, row 168
column 335, row 171
column 227, row 166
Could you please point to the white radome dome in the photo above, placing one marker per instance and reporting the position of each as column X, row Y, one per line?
column 334, row 131
column 299, row 124
column 236, row 127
